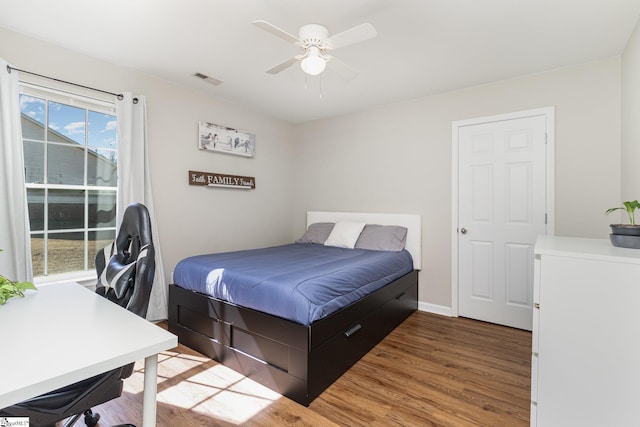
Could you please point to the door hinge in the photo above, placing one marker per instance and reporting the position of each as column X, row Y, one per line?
column 545, row 138
column 545, row 219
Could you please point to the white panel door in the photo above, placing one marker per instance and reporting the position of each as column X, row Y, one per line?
column 501, row 211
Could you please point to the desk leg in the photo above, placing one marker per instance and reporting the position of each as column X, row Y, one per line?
column 150, row 391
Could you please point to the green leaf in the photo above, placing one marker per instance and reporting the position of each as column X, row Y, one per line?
column 25, row 285
column 9, row 287
column 608, row 211
column 630, row 206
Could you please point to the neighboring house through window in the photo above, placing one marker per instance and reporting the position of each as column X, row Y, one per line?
column 71, row 158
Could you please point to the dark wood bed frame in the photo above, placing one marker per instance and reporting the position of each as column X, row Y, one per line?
column 295, row 360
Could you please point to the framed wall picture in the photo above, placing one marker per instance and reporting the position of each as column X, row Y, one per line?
column 212, row 137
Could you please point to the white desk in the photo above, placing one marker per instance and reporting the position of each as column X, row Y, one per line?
column 65, row 333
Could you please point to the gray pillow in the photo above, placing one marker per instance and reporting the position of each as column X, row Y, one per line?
column 382, row 238
column 317, row 233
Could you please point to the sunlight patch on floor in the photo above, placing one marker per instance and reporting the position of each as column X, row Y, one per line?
column 208, row 388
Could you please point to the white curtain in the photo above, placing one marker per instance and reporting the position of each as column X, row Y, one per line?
column 15, row 260
column 134, row 185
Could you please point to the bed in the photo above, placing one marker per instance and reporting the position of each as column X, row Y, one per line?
column 296, row 354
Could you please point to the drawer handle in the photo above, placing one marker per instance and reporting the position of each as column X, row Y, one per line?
column 401, row 295
column 352, row 330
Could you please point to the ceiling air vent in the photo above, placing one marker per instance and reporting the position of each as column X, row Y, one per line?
column 208, row 79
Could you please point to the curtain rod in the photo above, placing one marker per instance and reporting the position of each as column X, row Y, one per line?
column 117, row 95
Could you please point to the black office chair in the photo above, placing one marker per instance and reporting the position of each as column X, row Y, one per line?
column 125, row 276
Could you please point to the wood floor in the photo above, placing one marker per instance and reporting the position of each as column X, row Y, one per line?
column 430, row 371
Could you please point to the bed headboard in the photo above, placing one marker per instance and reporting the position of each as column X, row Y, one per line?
column 411, row 221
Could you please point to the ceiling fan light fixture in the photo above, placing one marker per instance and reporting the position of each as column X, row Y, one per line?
column 316, row 43
column 313, row 64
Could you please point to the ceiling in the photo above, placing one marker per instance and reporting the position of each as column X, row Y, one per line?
column 423, row 47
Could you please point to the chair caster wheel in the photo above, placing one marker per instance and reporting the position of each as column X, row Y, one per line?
column 91, row 419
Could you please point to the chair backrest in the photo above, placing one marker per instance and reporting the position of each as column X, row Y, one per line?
column 126, row 270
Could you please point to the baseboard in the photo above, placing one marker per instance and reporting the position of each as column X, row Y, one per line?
column 434, row 308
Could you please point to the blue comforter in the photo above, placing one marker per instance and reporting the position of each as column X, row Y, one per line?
column 299, row 282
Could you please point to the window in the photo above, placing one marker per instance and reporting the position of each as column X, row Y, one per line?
column 70, row 156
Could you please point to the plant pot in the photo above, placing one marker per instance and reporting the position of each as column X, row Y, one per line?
column 622, row 241
column 625, row 236
column 625, row 229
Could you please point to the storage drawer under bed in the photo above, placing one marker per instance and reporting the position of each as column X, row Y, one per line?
column 297, row 361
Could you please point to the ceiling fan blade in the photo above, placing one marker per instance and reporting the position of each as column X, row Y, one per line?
column 345, row 71
column 353, row 35
column 270, row 28
column 281, row 67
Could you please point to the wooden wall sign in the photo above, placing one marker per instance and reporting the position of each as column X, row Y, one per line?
column 209, row 179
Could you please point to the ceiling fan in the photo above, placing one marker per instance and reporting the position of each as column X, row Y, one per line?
column 315, row 41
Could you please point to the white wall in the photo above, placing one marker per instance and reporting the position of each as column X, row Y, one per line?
column 190, row 219
column 631, row 118
column 397, row 158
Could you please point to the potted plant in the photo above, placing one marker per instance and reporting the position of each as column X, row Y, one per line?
column 11, row 288
column 626, row 235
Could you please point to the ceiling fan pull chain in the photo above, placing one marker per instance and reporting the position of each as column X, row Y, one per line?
column 320, row 86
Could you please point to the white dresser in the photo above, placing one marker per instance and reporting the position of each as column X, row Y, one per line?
column 585, row 367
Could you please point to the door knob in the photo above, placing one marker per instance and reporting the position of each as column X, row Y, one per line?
column 463, row 230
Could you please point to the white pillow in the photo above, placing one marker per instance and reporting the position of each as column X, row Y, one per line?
column 345, row 234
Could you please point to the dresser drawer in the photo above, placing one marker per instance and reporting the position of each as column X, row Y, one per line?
column 535, row 336
column 533, row 420
column 534, row 378
column 537, row 270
